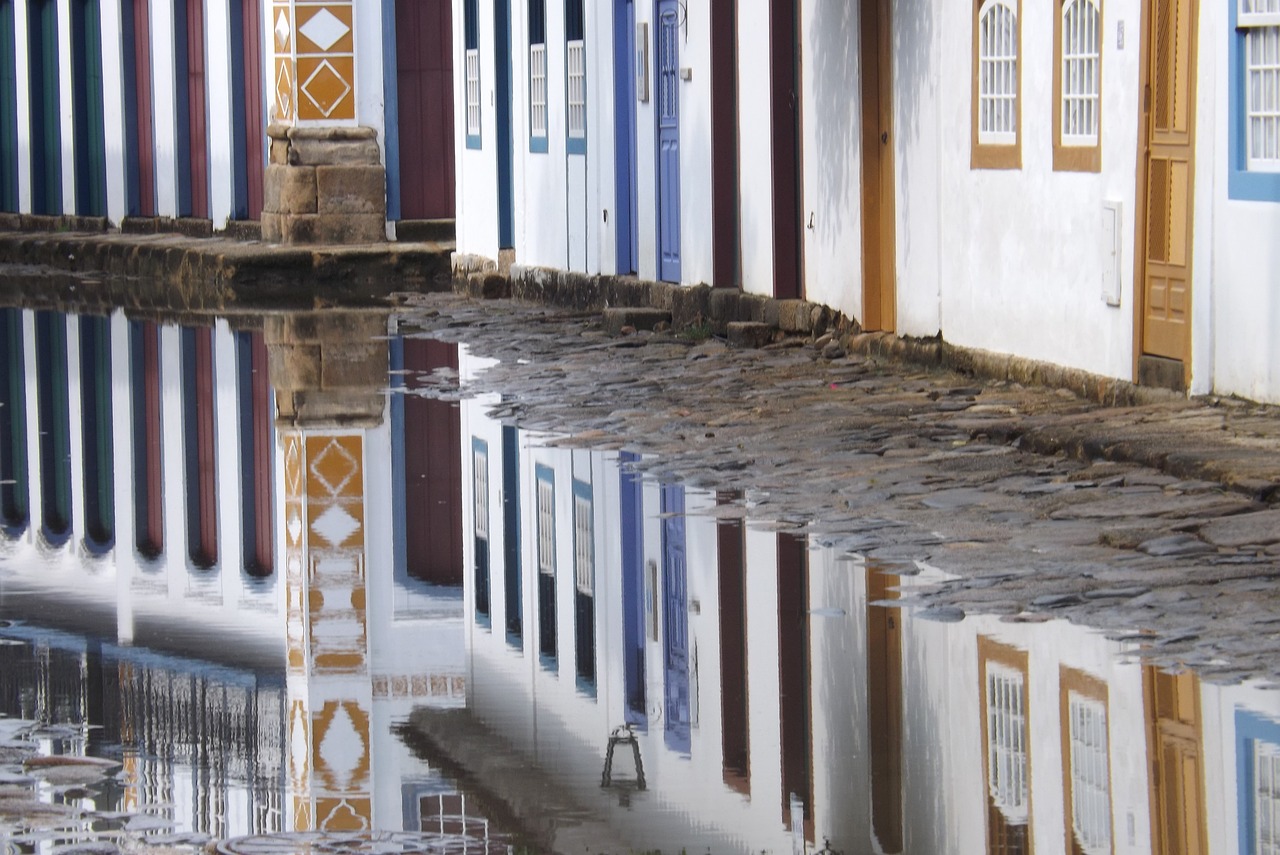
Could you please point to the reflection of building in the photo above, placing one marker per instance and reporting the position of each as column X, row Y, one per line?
column 152, row 480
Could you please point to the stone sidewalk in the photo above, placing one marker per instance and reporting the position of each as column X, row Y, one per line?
column 1157, row 523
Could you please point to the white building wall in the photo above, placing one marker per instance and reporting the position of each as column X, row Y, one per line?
column 218, row 99
column 831, row 154
column 755, row 148
column 1021, row 250
column 476, row 169
column 66, row 114
column 22, row 69
column 164, row 115
column 113, row 88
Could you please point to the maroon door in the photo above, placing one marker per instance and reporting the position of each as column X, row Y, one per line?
column 424, row 79
column 197, row 104
column 254, row 110
column 142, row 85
column 785, row 110
column 433, row 471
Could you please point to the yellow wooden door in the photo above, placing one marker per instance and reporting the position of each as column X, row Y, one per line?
column 878, row 253
column 1177, row 771
column 1165, row 177
column 884, row 709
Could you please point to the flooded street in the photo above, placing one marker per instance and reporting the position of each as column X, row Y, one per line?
column 457, row 579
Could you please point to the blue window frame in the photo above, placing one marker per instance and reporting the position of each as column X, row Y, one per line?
column 1258, row 782
column 575, row 78
column 1254, row 57
column 545, row 521
column 480, row 525
column 471, row 71
column 538, row 76
column 584, row 588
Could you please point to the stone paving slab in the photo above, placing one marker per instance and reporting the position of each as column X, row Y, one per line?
column 1156, row 523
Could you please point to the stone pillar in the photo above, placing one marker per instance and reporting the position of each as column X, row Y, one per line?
column 329, row 368
column 324, row 185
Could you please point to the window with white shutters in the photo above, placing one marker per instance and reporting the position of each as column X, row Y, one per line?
column 537, row 75
column 1090, row 773
column 1259, row 23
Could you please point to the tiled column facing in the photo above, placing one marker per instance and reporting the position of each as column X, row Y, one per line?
column 330, row 694
column 325, row 182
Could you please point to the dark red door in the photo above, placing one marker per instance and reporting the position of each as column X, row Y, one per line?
column 142, row 86
column 255, row 133
column 424, row 79
column 196, row 105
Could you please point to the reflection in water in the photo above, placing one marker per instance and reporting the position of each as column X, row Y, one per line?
column 288, row 602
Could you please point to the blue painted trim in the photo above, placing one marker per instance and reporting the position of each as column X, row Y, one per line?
column 399, row 545
column 538, row 144
column 391, row 108
column 1241, row 183
column 1250, row 727
column 182, row 106
column 504, row 108
column 240, row 114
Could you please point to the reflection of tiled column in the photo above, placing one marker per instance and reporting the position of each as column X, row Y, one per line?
column 328, row 372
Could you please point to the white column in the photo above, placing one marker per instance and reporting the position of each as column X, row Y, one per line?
column 218, row 49
column 66, row 111
column 22, row 68
column 113, row 89
column 164, row 99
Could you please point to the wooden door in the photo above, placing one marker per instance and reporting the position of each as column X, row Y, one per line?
column 505, row 146
column 148, row 438
column 87, row 109
column 198, row 424
column 884, row 709
column 138, row 109
column 96, row 426
column 248, row 110
column 731, row 552
column 667, row 86
column 1177, row 769
column 624, row 129
column 424, row 105
column 8, row 109
column 724, row 142
column 193, row 146
column 46, row 132
column 785, row 115
column 795, row 711
column 878, row 247
column 1165, row 182
column 54, row 424
column 675, row 613
column 512, row 567
column 257, row 420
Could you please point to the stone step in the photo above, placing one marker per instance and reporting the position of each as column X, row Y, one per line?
column 636, row 318
column 749, row 333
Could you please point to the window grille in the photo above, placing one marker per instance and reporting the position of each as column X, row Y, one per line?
column 1081, row 41
column 1090, row 778
column 1266, row 797
column 546, row 527
column 583, row 548
column 1259, row 21
column 997, row 74
column 1006, row 742
column 577, row 63
column 538, row 90
column 480, row 464
column 473, row 92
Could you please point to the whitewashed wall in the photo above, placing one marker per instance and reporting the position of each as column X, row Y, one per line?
column 476, row 169
column 755, row 148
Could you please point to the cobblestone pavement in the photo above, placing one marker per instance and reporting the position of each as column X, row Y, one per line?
column 1157, row 523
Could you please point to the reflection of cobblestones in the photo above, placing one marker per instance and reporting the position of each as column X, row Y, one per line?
column 363, row 843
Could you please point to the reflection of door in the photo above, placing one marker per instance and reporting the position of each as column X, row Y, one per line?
column 432, row 469
column 884, row 710
column 1177, row 774
column 667, row 53
column 193, row 151
column 675, row 638
column 1165, row 185
column 424, row 98
column 632, row 525
column 878, row 274
column 794, row 682
column 624, row 129
column 734, row 693
column 87, row 116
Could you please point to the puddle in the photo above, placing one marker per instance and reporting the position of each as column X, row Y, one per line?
column 288, row 612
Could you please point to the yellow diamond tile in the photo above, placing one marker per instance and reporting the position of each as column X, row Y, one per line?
column 324, row 88
column 325, row 29
column 334, row 467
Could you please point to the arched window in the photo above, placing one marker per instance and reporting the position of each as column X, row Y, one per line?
column 1077, row 78
column 996, row 109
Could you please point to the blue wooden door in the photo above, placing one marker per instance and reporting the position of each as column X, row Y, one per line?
column 624, row 119
column 502, row 94
column 667, row 36
column 8, row 109
column 675, row 636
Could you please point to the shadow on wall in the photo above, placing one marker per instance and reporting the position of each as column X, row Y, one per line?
column 834, row 52
column 915, row 87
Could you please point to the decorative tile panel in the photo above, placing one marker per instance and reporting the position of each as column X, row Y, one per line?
column 284, row 65
column 324, row 48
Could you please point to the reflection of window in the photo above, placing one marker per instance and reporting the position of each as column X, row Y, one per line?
column 1006, row 761
column 1258, row 762
column 471, row 56
column 1255, row 100
column 1086, row 765
column 480, row 480
column 537, row 75
column 1077, row 77
column 576, row 76
column 996, row 110
column 584, row 577
column 546, row 522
